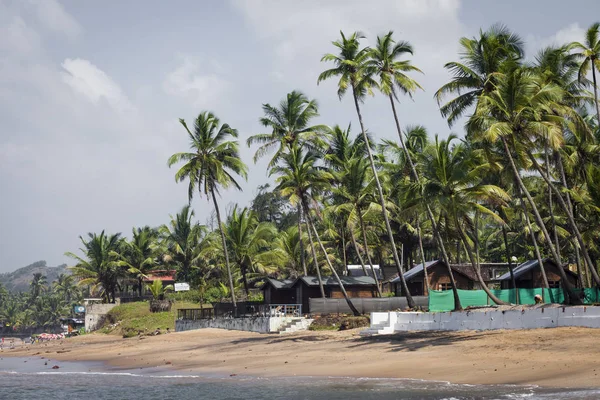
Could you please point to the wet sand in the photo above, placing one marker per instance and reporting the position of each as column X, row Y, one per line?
column 561, row 357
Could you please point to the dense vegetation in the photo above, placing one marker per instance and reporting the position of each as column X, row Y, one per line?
column 523, row 181
column 40, row 307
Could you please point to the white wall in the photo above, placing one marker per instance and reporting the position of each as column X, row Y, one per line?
column 95, row 314
column 531, row 318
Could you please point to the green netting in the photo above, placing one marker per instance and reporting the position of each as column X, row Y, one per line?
column 554, row 295
column 508, row 295
column 471, row 298
column 591, row 295
column 443, row 300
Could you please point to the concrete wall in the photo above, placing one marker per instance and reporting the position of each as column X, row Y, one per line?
column 542, row 317
column 95, row 314
column 257, row 324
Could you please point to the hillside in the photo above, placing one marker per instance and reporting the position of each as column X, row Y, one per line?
column 18, row 281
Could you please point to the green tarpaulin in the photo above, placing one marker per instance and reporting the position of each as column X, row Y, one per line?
column 443, row 300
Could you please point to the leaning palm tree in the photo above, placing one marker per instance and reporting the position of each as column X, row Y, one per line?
column 354, row 72
column 299, row 179
column 289, row 124
column 453, row 179
column 589, row 53
column 393, row 79
column 98, row 267
column 211, row 164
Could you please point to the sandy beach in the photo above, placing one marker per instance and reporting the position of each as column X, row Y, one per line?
column 562, row 357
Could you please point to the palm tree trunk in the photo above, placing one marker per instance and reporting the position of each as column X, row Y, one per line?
column 300, row 243
column 344, row 256
column 366, row 245
column 360, row 259
column 409, row 299
column 314, row 253
column 550, row 205
column 578, row 262
column 596, row 92
column 570, row 218
column 335, row 274
column 508, row 258
column 224, row 243
column 566, row 284
column 474, row 262
column 244, row 271
column 536, row 248
column 436, row 232
column 422, row 256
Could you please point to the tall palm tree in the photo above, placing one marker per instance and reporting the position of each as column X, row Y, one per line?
column 139, row 255
column 393, row 79
column 247, row 238
column 473, row 76
column 354, row 72
column 453, row 178
column 290, row 123
column 589, row 53
column 98, row 267
column 507, row 114
column 211, row 164
column 299, row 179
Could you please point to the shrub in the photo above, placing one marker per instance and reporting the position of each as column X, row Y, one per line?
column 338, row 323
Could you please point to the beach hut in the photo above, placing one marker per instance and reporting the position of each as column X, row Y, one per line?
column 528, row 275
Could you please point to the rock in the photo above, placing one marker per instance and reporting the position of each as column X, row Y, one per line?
column 55, row 367
column 168, row 363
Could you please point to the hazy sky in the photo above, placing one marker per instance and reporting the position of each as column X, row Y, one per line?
column 91, row 91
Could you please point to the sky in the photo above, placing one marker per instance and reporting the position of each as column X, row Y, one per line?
column 91, row 93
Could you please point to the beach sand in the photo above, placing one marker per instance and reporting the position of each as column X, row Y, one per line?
column 560, row 357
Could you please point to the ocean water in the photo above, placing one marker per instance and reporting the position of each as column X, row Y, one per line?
column 33, row 379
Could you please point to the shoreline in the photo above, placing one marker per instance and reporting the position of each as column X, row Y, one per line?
column 558, row 357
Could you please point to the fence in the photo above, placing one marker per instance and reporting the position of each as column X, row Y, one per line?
column 363, row 305
column 444, row 300
column 242, row 310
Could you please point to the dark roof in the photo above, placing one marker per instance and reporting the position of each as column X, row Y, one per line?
column 280, row 284
column 331, row 281
column 356, row 270
column 411, row 273
column 528, row 266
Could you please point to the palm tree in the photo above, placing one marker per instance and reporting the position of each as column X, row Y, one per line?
column 290, row 123
column 65, row 287
column 183, row 241
column 354, row 71
column 589, row 53
column 247, row 238
column 139, row 254
column 473, row 76
column 511, row 112
column 299, row 179
column 98, row 267
column 453, row 179
column 284, row 254
column 392, row 79
column 211, row 165
column 37, row 285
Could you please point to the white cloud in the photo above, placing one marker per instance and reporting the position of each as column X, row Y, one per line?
column 568, row 34
column 190, row 80
column 90, row 81
column 53, row 16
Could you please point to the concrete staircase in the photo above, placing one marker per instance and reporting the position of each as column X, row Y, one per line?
column 295, row 325
column 381, row 328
